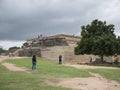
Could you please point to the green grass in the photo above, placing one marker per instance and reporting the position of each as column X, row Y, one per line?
column 45, row 69
column 35, row 80
column 113, row 74
column 50, row 68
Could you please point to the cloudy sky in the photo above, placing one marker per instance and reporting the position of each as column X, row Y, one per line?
column 25, row 19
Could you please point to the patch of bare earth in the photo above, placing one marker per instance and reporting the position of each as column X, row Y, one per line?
column 97, row 82
column 92, row 83
column 89, row 67
column 2, row 58
column 12, row 67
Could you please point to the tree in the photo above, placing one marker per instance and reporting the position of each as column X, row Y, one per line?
column 2, row 50
column 98, row 38
column 118, row 45
column 12, row 49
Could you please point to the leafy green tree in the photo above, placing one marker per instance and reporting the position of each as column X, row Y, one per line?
column 118, row 45
column 98, row 38
column 12, row 49
column 2, row 50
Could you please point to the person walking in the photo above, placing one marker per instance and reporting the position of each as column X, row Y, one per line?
column 34, row 62
column 60, row 59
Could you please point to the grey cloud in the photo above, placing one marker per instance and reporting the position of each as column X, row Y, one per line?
column 23, row 19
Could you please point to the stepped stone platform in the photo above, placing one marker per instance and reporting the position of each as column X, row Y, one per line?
column 51, row 47
column 45, row 46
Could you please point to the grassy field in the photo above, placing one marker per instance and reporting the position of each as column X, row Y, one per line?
column 45, row 69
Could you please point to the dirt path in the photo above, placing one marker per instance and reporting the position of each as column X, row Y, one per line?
column 89, row 67
column 97, row 82
column 2, row 58
column 12, row 67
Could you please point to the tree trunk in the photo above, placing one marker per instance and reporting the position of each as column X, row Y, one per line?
column 102, row 59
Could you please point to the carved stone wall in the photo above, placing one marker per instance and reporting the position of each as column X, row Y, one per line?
column 29, row 52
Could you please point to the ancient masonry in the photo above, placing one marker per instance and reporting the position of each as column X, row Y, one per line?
column 56, row 40
column 51, row 47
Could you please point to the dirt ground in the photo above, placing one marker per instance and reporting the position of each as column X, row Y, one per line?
column 97, row 82
column 89, row 67
column 12, row 67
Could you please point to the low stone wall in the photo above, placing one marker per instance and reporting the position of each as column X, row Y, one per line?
column 70, row 57
column 53, row 53
column 28, row 52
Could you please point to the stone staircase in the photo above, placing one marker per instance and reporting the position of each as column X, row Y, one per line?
column 67, row 53
column 52, row 52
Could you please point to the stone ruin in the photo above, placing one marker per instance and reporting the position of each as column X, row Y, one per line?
column 51, row 47
column 40, row 44
column 45, row 41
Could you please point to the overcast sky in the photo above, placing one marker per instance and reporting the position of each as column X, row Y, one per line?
column 25, row 19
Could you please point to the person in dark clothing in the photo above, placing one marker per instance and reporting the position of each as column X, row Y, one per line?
column 34, row 62
column 60, row 59
column 90, row 59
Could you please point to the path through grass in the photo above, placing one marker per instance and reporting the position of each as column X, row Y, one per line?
column 45, row 69
column 35, row 80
